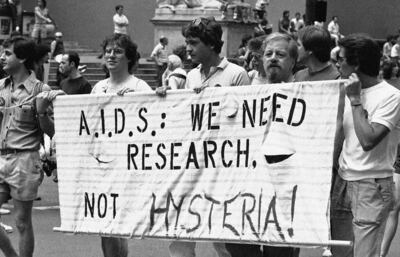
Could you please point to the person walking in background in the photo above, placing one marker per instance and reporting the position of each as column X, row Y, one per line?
column 297, row 23
column 39, row 31
column 160, row 56
column 121, row 22
column 395, row 52
column 334, row 29
column 120, row 55
column 284, row 23
column 57, row 46
column 387, row 47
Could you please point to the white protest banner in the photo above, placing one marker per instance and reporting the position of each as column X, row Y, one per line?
column 248, row 164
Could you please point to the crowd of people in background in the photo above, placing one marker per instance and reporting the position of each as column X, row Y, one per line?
column 362, row 199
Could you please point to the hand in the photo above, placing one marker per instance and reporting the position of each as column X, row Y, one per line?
column 125, row 90
column 161, row 91
column 198, row 89
column 44, row 99
column 353, row 88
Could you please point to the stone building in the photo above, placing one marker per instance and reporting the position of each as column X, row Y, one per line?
column 89, row 21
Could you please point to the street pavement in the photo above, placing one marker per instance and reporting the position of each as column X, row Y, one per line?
column 46, row 216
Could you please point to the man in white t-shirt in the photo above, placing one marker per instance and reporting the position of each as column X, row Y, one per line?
column 297, row 23
column 120, row 21
column 370, row 134
column 160, row 56
column 333, row 28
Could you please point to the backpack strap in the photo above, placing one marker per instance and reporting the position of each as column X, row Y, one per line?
column 181, row 76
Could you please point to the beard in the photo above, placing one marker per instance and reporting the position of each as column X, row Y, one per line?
column 274, row 75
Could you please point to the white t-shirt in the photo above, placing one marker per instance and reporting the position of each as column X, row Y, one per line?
column 103, row 86
column 120, row 24
column 395, row 52
column 333, row 28
column 382, row 102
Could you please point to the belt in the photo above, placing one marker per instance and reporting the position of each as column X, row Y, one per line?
column 12, row 151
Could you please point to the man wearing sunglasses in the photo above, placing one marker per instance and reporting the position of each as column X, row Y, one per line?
column 203, row 45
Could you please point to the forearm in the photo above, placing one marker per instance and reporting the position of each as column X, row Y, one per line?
column 368, row 135
column 46, row 124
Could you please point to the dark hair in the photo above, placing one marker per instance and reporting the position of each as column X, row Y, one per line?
column 389, row 38
column 256, row 44
column 163, row 39
column 245, row 40
column 23, row 48
column 127, row 44
column 117, row 7
column 363, row 51
column 285, row 12
column 387, row 69
column 180, row 51
column 40, row 51
column 74, row 57
column 207, row 30
column 317, row 40
column 44, row 3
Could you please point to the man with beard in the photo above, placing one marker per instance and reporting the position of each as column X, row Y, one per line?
column 280, row 55
column 74, row 83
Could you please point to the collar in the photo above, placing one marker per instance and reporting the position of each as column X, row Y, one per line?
column 28, row 84
column 320, row 70
column 221, row 66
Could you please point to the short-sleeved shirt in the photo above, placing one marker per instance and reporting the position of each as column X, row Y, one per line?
column 330, row 72
column 19, row 124
column 395, row 52
column 333, row 28
column 177, row 79
column 160, row 52
column 76, row 86
column 120, row 19
column 387, row 49
column 225, row 74
column 382, row 103
column 138, row 85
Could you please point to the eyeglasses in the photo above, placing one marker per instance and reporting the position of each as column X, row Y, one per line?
column 202, row 23
column 116, row 51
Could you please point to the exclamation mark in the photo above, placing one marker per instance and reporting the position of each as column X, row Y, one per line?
column 290, row 230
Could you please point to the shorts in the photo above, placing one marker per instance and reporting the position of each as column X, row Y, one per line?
column 21, row 174
column 39, row 29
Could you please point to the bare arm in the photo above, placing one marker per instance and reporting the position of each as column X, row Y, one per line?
column 43, row 102
column 369, row 134
column 39, row 14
